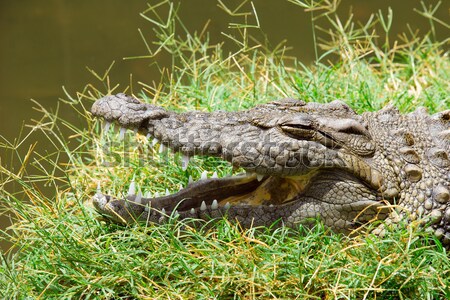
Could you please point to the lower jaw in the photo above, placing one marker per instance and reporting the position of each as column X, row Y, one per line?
column 237, row 190
column 213, row 193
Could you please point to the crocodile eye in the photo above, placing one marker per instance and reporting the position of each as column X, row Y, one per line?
column 299, row 126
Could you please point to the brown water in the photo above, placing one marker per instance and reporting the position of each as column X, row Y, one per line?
column 46, row 44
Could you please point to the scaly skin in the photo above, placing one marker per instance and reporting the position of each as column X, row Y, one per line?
column 309, row 160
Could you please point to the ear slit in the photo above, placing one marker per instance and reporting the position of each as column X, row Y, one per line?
column 347, row 126
column 352, row 130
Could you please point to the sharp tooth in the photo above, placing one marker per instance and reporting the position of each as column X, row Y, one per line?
column 156, row 195
column 147, row 194
column 148, row 136
column 106, row 128
column 122, row 133
column 227, row 205
column 204, row 175
column 181, row 187
column 190, row 179
column 259, row 177
column 154, row 142
column 135, row 130
column 203, row 206
column 176, row 214
column 138, row 198
column 215, row 204
column 100, row 200
column 132, row 188
column 192, row 211
column 184, row 162
column 163, row 211
column 162, row 148
column 99, row 190
column 214, row 175
column 167, row 192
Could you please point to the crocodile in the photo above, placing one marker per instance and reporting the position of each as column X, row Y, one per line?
column 303, row 161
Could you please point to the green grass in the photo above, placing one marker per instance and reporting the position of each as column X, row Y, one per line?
column 62, row 249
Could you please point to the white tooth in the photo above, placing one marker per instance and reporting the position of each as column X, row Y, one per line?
column 215, row 204
column 167, row 192
column 147, row 194
column 163, row 211
column 122, row 133
column 106, row 128
column 155, row 141
column 204, row 175
column 181, row 187
column 138, row 198
column 192, row 211
column 184, row 162
column 227, row 205
column 162, row 148
column 135, row 130
column 132, row 188
column 190, row 179
column 148, row 136
column 271, row 205
column 100, row 200
column 259, row 177
column 99, row 190
column 156, row 195
column 176, row 214
column 203, row 206
column 214, row 175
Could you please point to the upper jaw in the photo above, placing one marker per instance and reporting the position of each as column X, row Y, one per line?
column 254, row 152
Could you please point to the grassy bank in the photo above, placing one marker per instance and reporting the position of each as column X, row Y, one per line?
column 62, row 249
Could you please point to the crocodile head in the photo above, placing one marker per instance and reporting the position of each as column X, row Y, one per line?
column 303, row 161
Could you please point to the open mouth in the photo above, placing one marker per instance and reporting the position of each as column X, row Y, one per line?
column 299, row 164
column 251, row 199
column 208, row 197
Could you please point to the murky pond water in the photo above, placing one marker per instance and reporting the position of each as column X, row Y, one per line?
column 46, row 44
